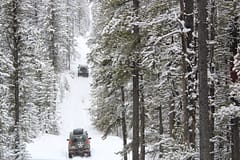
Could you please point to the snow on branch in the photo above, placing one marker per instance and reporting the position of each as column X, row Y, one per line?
column 166, row 35
column 237, row 62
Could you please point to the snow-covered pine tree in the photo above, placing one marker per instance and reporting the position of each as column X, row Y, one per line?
column 225, row 88
column 57, row 39
column 12, row 44
column 5, row 118
column 25, row 64
column 234, row 41
column 151, row 20
column 46, row 74
column 28, row 61
column 161, row 49
column 111, row 64
column 109, row 69
column 36, row 37
column 164, row 58
column 5, row 70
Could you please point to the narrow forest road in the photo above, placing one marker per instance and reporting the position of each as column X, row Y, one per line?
column 74, row 113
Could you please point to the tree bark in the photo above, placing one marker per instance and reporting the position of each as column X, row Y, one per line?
column 142, row 115
column 191, row 88
column 203, row 81
column 171, row 118
column 184, row 79
column 172, row 111
column 212, row 70
column 189, row 21
column 160, row 128
column 52, row 47
column 160, row 120
column 68, row 54
column 124, row 126
column 15, row 52
column 135, row 142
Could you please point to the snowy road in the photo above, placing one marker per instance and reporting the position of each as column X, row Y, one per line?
column 74, row 114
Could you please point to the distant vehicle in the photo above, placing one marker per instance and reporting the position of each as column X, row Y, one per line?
column 78, row 143
column 83, row 71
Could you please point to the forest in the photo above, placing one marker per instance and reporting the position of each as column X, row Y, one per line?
column 164, row 74
column 36, row 47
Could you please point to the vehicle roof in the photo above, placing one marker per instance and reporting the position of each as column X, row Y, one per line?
column 82, row 65
column 78, row 131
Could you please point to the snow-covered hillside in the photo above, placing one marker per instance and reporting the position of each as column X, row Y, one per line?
column 74, row 113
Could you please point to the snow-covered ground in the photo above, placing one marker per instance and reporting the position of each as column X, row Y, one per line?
column 74, row 113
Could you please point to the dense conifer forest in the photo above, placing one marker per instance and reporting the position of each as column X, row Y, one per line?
column 36, row 46
column 164, row 74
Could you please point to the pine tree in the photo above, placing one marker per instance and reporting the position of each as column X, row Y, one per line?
column 226, row 76
column 203, row 82
column 26, row 66
column 234, row 43
column 15, row 47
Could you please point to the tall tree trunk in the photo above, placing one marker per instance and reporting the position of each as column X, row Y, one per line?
column 184, row 78
column 124, row 126
column 171, row 116
column 160, row 128
column 212, row 70
column 15, row 52
column 160, row 120
column 191, row 89
column 203, row 81
column 235, row 139
column 142, row 133
column 189, row 103
column 189, row 21
column 135, row 142
column 172, row 112
column 69, row 22
column 52, row 47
